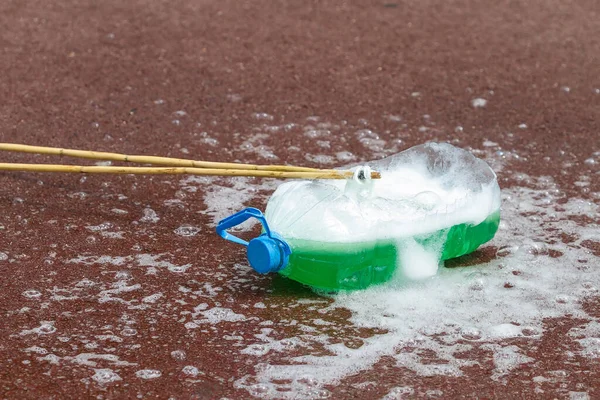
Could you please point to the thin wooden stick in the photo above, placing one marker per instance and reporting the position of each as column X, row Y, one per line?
column 172, row 162
column 331, row 174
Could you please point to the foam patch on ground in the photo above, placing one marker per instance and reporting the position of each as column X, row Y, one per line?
column 535, row 275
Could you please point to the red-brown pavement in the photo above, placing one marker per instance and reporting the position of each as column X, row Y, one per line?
column 103, row 276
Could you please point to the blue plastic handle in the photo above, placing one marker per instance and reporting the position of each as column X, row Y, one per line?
column 267, row 253
column 239, row 218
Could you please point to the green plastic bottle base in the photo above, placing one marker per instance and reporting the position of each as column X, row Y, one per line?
column 352, row 266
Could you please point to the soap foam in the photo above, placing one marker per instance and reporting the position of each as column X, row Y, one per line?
column 418, row 262
column 422, row 190
column 534, row 276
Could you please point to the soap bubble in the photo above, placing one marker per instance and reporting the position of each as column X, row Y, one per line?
column 190, row 370
column 31, row 294
column 178, row 355
column 187, row 230
column 105, row 375
column 470, row 333
column 148, row 374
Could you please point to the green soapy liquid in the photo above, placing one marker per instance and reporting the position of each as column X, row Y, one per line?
column 351, row 266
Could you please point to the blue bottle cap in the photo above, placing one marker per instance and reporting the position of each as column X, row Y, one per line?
column 267, row 253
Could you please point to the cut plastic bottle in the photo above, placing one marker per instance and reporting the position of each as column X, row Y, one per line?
column 433, row 202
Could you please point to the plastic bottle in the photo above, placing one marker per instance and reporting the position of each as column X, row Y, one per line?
column 434, row 202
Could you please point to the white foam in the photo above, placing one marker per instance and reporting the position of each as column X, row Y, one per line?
column 345, row 156
column 105, row 375
column 102, row 227
column 399, row 393
column 148, row 374
column 190, row 370
column 506, row 359
column 119, row 287
column 152, row 298
column 319, row 158
column 36, row 349
column 51, row 358
column 129, row 332
column 178, row 355
column 187, row 230
column 142, row 260
column 149, row 215
column 535, row 276
column 589, row 339
column 110, row 338
column 220, row 314
column 422, row 190
column 479, row 102
column 263, row 116
column 45, row 328
column 89, row 359
column 579, row 396
column 418, row 262
column 32, row 294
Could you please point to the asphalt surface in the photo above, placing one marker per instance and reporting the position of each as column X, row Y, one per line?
column 246, row 80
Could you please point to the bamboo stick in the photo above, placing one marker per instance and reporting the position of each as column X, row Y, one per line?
column 168, row 161
column 324, row 174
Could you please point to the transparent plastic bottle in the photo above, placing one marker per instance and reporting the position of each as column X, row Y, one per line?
column 434, row 202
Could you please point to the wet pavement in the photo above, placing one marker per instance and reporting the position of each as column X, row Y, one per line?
column 117, row 286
